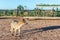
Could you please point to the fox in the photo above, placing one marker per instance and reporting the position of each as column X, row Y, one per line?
column 16, row 25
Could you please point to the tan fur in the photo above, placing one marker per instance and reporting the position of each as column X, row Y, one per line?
column 16, row 26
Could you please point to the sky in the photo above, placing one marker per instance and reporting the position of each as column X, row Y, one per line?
column 9, row 4
column 28, row 4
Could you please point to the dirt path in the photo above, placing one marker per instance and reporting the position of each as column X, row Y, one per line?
column 29, row 32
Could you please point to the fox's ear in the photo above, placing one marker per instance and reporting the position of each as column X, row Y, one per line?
column 24, row 20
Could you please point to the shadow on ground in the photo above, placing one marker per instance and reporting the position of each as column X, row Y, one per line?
column 32, row 31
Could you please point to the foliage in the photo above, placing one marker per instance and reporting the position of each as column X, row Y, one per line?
column 20, row 7
column 35, row 12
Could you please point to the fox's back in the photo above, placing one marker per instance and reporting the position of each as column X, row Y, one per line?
column 17, row 24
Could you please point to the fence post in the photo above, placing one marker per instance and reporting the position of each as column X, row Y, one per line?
column 56, row 12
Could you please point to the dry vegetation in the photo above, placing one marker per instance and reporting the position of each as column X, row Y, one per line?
column 31, row 31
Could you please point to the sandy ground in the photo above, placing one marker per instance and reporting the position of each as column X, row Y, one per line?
column 32, row 31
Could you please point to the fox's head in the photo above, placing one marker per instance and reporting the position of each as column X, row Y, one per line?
column 25, row 21
column 20, row 21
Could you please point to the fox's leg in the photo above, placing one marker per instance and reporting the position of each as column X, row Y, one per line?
column 11, row 30
column 15, row 32
column 19, row 31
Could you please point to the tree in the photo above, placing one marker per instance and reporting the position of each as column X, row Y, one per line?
column 19, row 8
column 37, row 11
